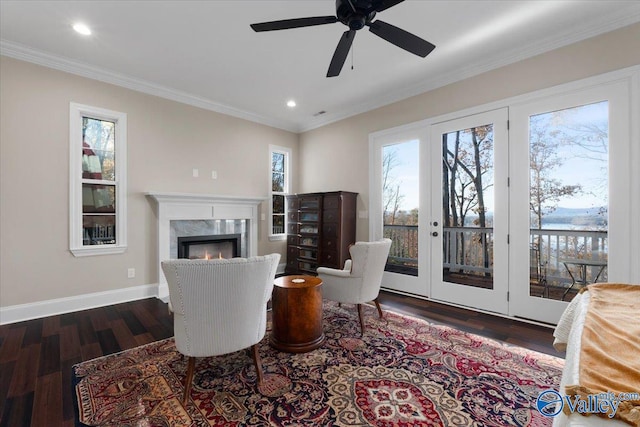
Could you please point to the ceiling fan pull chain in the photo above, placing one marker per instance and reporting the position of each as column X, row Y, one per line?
column 352, row 54
column 355, row 14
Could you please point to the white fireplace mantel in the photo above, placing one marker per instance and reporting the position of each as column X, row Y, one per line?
column 188, row 206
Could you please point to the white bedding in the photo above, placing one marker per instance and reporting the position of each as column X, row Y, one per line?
column 569, row 333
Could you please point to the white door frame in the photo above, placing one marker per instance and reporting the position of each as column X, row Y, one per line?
column 623, row 265
column 495, row 299
column 522, row 304
column 418, row 285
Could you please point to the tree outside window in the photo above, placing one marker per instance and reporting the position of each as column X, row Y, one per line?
column 279, row 157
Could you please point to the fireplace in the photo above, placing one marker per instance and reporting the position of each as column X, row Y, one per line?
column 207, row 247
column 203, row 215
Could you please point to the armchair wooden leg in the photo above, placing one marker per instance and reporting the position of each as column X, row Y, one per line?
column 187, row 386
column 378, row 307
column 361, row 320
column 256, row 361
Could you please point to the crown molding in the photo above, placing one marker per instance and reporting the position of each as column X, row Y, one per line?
column 613, row 21
column 24, row 53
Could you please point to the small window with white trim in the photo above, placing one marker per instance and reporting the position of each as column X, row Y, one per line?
column 97, row 181
column 280, row 176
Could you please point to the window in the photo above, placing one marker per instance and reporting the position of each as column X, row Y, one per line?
column 280, row 176
column 97, row 193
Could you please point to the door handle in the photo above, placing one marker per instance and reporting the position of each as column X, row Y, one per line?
column 434, row 234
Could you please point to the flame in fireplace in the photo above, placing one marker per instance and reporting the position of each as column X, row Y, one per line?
column 205, row 247
column 207, row 256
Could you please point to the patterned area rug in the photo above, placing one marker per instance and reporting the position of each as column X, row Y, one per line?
column 403, row 372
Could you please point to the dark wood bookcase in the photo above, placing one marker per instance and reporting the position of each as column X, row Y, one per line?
column 320, row 228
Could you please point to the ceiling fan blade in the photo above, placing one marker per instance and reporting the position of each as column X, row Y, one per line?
column 401, row 38
column 286, row 24
column 340, row 55
column 381, row 5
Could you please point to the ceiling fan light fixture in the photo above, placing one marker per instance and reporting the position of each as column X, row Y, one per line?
column 357, row 22
column 81, row 28
column 355, row 14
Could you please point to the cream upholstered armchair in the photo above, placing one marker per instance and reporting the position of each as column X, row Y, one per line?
column 219, row 306
column 360, row 280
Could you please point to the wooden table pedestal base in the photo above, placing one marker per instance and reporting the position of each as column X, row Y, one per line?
column 297, row 314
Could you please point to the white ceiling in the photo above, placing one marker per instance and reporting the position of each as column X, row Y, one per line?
column 204, row 53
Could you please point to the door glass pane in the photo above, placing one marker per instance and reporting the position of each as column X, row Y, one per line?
column 400, row 198
column 569, row 157
column 468, row 206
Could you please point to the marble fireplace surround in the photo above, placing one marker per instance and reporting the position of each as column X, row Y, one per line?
column 187, row 206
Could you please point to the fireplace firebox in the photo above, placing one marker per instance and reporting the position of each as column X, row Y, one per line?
column 208, row 247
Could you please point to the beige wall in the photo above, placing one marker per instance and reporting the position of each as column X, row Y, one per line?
column 166, row 140
column 346, row 142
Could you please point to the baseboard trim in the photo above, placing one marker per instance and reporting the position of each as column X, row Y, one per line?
column 163, row 292
column 36, row 310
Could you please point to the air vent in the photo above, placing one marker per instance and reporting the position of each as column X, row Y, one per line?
column 319, row 113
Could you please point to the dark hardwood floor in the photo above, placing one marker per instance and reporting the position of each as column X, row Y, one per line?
column 533, row 337
column 36, row 356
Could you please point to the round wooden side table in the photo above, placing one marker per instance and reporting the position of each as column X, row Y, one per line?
column 297, row 314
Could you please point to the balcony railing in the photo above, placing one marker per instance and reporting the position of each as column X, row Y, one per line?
column 556, row 245
column 469, row 250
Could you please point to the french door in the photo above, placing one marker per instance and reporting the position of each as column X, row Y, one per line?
column 569, row 210
column 519, row 206
column 469, row 219
column 399, row 172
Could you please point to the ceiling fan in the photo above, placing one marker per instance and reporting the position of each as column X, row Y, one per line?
column 356, row 14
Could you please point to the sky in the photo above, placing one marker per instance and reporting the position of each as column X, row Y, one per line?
column 406, row 172
column 582, row 166
column 579, row 165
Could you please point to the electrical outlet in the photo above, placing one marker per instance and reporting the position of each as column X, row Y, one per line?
column 131, row 273
column 214, row 175
column 196, row 173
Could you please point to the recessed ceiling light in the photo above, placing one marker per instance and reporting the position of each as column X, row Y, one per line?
column 82, row 29
column 291, row 103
